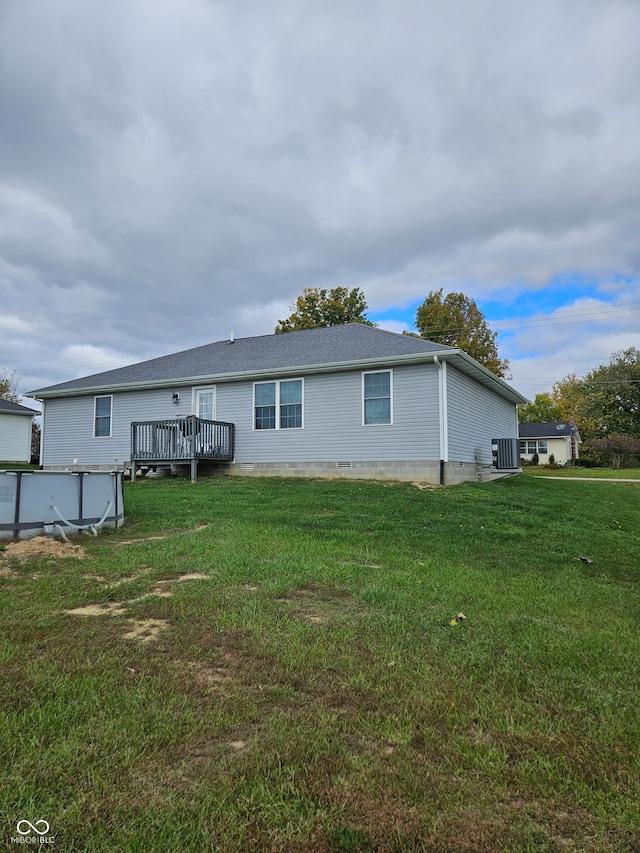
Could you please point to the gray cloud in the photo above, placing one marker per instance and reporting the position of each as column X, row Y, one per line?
column 169, row 172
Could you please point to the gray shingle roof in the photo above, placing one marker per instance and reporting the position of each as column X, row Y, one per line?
column 554, row 429
column 11, row 408
column 354, row 342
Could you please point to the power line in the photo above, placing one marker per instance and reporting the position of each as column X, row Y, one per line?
column 535, row 323
column 600, row 309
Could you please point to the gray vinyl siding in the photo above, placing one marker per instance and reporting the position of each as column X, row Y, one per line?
column 476, row 415
column 15, row 438
column 333, row 429
column 68, row 425
column 332, row 412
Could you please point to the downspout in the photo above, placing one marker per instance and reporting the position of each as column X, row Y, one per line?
column 40, row 460
column 442, row 415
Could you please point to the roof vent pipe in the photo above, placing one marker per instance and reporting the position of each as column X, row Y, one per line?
column 231, row 338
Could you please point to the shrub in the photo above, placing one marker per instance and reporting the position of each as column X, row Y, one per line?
column 618, row 451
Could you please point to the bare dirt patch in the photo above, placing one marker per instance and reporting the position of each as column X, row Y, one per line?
column 161, row 536
column 315, row 618
column 161, row 589
column 144, row 570
column 140, row 541
column 41, row 547
column 107, row 608
column 210, row 677
column 146, row 630
column 193, row 576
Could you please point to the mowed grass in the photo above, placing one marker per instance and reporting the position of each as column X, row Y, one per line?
column 274, row 665
column 583, row 473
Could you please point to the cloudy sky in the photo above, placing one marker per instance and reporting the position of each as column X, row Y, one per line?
column 172, row 170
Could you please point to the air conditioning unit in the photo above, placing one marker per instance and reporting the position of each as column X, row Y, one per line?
column 506, row 453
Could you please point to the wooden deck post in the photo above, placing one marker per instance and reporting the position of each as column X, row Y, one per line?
column 194, row 469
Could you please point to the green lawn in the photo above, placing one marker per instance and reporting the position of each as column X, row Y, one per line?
column 13, row 466
column 275, row 665
column 589, row 473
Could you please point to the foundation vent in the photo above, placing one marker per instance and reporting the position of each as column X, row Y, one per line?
column 248, row 466
column 343, row 464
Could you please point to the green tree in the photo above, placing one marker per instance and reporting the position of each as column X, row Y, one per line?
column 317, row 307
column 456, row 320
column 613, row 391
column 542, row 410
column 606, row 400
column 568, row 394
column 8, row 386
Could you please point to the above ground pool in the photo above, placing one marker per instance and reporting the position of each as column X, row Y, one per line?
column 58, row 503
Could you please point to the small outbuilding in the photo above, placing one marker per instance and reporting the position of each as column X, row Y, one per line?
column 15, row 431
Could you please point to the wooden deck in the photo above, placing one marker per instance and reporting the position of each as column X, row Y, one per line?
column 181, row 440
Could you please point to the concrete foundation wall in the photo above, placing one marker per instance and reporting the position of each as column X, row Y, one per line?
column 410, row 470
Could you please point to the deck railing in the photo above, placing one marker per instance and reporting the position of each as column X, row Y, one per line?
column 182, row 439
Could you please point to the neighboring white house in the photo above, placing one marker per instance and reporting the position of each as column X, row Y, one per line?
column 557, row 439
column 349, row 401
column 15, row 432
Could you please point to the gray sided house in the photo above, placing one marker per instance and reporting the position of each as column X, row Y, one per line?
column 351, row 401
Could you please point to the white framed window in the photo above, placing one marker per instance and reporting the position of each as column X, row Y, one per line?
column 204, row 403
column 533, row 446
column 278, row 404
column 102, row 416
column 377, row 397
